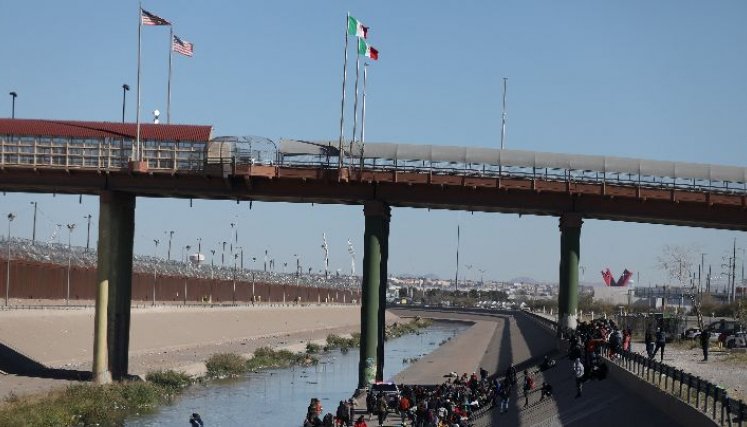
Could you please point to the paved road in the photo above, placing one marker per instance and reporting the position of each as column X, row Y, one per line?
column 499, row 339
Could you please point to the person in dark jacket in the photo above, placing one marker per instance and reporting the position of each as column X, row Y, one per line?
column 661, row 342
column 649, row 340
column 705, row 338
column 195, row 420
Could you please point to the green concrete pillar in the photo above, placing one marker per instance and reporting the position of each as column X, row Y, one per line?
column 118, row 252
column 383, row 274
column 570, row 254
column 101, row 373
column 377, row 217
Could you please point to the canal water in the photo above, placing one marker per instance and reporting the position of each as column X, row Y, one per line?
column 279, row 397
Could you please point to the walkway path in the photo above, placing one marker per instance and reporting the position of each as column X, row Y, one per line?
column 500, row 339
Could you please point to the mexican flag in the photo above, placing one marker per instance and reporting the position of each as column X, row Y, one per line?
column 367, row 50
column 356, row 28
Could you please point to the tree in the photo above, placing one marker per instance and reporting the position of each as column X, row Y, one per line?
column 678, row 261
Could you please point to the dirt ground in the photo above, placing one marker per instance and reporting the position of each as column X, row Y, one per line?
column 164, row 337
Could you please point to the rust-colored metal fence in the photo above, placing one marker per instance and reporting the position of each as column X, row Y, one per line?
column 36, row 280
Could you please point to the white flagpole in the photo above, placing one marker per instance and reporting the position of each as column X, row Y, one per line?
column 342, row 108
column 355, row 99
column 503, row 115
column 136, row 148
column 363, row 113
column 171, row 54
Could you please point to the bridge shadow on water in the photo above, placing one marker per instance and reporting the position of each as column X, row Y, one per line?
column 15, row 363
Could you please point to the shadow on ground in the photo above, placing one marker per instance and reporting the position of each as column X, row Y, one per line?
column 15, row 363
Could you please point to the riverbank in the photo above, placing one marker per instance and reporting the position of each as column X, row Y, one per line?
column 179, row 338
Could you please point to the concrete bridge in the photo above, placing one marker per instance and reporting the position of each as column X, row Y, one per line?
column 107, row 159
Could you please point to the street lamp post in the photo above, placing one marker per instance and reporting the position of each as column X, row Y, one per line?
column 13, row 96
column 235, row 257
column 88, row 234
column 11, row 217
column 155, row 269
column 171, row 235
column 33, row 229
column 125, row 88
column 212, row 273
column 70, row 228
column 254, row 260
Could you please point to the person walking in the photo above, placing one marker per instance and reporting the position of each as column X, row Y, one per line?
column 578, row 372
column 505, row 393
column 381, row 409
column 360, row 422
column 649, row 340
column 705, row 338
column 661, row 342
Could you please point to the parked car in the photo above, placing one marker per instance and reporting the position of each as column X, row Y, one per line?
column 691, row 333
column 390, row 391
column 737, row 339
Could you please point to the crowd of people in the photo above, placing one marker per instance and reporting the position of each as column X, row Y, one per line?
column 586, row 345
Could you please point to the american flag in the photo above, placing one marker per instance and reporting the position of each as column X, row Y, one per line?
column 182, row 46
column 147, row 18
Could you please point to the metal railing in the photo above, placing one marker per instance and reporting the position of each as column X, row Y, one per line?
column 710, row 399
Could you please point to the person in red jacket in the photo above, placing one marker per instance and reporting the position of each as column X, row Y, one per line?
column 360, row 422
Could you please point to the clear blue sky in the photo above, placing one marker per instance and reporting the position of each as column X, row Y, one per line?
column 660, row 80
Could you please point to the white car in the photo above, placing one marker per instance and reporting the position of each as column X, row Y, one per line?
column 738, row 339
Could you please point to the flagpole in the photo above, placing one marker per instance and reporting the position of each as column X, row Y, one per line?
column 456, row 276
column 171, row 54
column 342, row 107
column 355, row 98
column 363, row 113
column 136, row 149
column 503, row 115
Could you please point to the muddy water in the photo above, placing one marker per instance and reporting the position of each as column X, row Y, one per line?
column 279, row 397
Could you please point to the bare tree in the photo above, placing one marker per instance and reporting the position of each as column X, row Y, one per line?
column 679, row 262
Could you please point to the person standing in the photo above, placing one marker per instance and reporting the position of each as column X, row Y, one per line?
column 578, row 372
column 528, row 386
column 360, row 422
column 381, row 409
column 705, row 338
column 661, row 342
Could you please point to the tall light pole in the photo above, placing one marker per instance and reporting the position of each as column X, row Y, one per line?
column 70, row 228
column 503, row 114
column 235, row 258
column 88, row 234
column 199, row 249
column 11, row 217
column 155, row 268
column 13, row 96
column 125, row 88
column 171, row 236
column 33, row 229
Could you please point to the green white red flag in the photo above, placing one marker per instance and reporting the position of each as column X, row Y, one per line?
column 367, row 50
column 356, row 28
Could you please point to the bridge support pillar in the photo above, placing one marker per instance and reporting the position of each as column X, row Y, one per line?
column 114, row 286
column 570, row 253
column 372, row 305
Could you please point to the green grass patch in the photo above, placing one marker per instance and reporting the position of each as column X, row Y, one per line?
column 265, row 358
column 223, row 365
column 169, row 380
column 335, row 342
column 398, row 329
column 85, row 404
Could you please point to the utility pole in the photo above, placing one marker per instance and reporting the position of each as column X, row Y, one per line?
column 503, row 115
column 88, row 235
column 33, row 229
column 171, row 235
